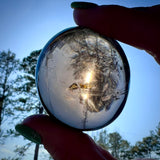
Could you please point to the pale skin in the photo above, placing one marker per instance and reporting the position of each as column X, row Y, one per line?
column 138, row 27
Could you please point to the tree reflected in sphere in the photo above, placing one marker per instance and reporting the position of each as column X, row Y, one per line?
column 83, row 78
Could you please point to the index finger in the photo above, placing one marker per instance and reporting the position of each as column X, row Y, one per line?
column 138, row 27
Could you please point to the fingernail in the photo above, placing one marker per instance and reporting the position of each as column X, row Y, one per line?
column 28, row 133
column 83, row 5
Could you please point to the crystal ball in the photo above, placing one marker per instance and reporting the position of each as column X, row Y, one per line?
column 82, row 78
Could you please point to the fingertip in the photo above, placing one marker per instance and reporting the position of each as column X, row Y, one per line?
column 101, row 19
column 28, row 133
column 83, row 5
column 123, row 24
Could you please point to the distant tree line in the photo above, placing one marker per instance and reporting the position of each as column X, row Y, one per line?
column 148, row 147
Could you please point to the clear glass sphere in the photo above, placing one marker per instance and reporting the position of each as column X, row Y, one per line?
column 83, row 78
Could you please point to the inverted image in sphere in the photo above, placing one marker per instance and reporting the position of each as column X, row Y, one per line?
column 83, row 78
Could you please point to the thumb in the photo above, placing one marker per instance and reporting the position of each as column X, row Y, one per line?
column 63, row 142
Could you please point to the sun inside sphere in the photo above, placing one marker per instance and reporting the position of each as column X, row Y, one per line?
column 83, row 78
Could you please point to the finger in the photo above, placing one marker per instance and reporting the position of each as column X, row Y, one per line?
column 63, row 142
column 138, row 27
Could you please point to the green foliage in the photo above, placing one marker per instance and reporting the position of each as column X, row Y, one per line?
column 9, row 158
column 24, row 97
column 8, row 65
column 1, row 135
column 27, row 100
column 117, row 145
column 136, row 151
column 121, row 149
column 148, row 147
column 102, row 139
column 114, row 143
column 124, row 149
column 26, row 88
column 29, row 63
column 157, row 139
column 22, row 149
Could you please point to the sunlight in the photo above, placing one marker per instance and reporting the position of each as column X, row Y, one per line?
column 89, row 77
column 85, row 96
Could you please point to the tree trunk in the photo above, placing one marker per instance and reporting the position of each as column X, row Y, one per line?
column 1, row 107
column 36, row 152
column 37, row 145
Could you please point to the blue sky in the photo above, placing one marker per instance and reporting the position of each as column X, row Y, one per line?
column 28, row 25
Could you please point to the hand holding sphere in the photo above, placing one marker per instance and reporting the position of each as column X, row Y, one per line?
column 62, row 141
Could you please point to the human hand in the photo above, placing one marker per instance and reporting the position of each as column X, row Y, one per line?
column 61, row 141
column 138, row 27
